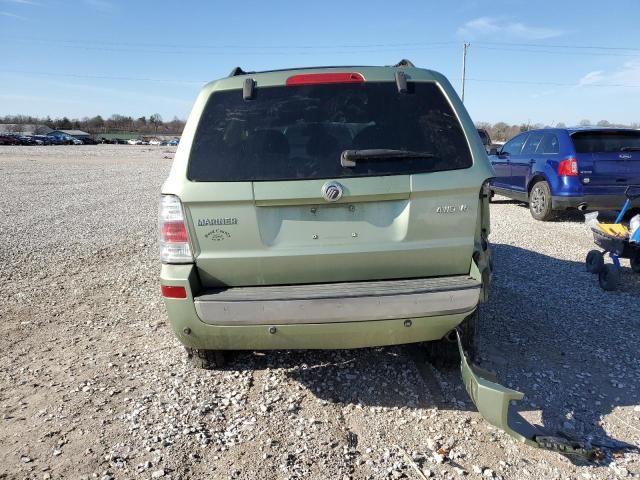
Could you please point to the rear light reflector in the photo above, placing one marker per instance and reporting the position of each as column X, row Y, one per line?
column 173, row 292
column 174, row 232
column 174, row 240
column 318, row 78
column 568, row 167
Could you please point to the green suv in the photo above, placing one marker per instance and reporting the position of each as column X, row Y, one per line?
column 329, row 207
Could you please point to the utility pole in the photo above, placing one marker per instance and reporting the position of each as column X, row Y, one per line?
column 465, row 45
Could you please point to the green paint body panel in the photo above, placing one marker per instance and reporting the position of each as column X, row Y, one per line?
column 182, row 315
column 492, row 399
column 384, row 227
column 495, row 404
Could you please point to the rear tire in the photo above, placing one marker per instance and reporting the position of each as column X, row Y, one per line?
column 609, row 277
column 594, row 261
column 540, row 201
column 635, row 262
column 205, row 359
column 444, row 352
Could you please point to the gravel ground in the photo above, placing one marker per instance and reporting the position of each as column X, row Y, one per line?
column 94, row 385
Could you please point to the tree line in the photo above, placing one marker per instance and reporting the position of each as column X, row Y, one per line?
column 501, row 131
column 153, row 124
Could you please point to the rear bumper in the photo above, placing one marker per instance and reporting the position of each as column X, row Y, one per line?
column 306, row 318
column 593, row 202
column 495, row 404
column 338, row 302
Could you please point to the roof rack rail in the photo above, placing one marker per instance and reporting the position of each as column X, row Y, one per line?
column 237, row 71
column 405, row 63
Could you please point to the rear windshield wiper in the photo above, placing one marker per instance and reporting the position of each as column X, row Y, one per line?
column 630, row 149
column 348, row 158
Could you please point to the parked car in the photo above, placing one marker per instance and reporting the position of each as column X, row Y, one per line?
column 42, row 139
column 155, row 141
column 59, row 139
column 486, row 139
column 134, row 141
column 25, row 140
column 363, row 224
column 558, row 169
column 8, row 140
column 89, row 141
column 65, row 140
column 174, row 143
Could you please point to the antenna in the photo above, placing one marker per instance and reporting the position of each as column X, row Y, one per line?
column 465, row 46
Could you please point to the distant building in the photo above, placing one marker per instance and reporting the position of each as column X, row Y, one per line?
column 24, row 129
column 79, row 134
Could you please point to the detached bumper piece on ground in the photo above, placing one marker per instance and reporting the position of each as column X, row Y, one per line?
column 619, row 241
column 493, row 401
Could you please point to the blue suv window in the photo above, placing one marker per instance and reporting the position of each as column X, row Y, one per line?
column 532, row 143
column 549, row 144
column 514, row 146
column 600, row 142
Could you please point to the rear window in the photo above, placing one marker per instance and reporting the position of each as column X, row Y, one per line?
column 600, row 142
column 299, row 132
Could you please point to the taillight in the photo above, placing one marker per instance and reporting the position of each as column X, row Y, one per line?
column 318, row 78
column 568, row 167
column 174, row 242
column 169, row 291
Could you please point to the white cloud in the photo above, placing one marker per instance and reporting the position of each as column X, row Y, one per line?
column 591, row 78
column 488, row 26
column 12, row 15
column 627, row 74
column 21, row 2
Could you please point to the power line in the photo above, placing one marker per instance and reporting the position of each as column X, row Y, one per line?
column 553, row 84
column 250, row 51
column 75, row 43
column 105, row 77
column 202, row 82
column 289, row 47
column 552, row 52
column 549, row 45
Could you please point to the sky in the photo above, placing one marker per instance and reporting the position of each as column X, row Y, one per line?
column 538, row 62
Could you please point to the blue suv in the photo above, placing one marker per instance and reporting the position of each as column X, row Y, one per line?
column 562, row 168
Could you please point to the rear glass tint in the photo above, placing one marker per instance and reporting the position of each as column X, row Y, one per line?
column 299, row 132
column 549, row 144
column 601, row 142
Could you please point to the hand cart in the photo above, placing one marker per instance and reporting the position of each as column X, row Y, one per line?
column 616, row 240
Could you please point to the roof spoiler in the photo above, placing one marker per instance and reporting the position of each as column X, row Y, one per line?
column 405, row 63
column 237, row 71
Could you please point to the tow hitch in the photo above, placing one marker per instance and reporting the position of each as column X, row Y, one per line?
column 493, row 401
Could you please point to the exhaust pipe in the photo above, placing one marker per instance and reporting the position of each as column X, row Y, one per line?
column 582, row 207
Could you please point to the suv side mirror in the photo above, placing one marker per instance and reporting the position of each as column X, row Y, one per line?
column 493, row 151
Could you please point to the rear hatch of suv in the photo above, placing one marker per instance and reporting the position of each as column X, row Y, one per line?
column 609, row 158
column 258, row 168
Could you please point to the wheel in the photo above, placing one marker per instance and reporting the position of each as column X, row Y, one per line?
column 635, row 262
column 609, row 277
column 540, row 201
column 205, row 359
column 594, row 261
column 444, row 352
